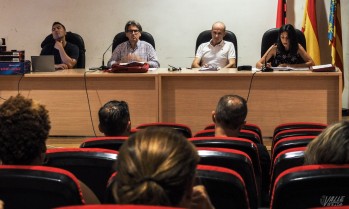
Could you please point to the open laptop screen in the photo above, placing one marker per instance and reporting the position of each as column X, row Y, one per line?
column 43, row 63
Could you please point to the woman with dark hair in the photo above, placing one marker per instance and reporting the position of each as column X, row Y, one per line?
column 287, row 52
column 157, row 166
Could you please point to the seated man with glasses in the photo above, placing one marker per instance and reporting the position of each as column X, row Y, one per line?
column 134, row 50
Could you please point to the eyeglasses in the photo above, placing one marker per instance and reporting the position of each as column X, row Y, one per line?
column 172, row 68
column 132, row 31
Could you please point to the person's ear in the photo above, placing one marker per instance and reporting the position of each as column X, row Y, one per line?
column 100, row 128
column 214, row 116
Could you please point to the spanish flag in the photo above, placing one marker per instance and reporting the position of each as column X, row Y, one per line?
column 281, row 13
column 335, row 34
column 309, row 29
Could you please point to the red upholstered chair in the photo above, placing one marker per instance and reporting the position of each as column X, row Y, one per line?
column 235, row 160
column 247, row 126
column 286, row 159
column 105, row 206
column 298, row 125
column 105, row 142
column 93, row 166
column 290, row 142
column 295, row 132
column 247, row 134
column 253, row 136
column 226, row 188
column 241, row 144
column 184, row 129
column 332, row 207
column 38, row 187
column 311, row 186
column 204, row 133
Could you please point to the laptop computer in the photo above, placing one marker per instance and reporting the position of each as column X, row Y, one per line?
column 43, row 63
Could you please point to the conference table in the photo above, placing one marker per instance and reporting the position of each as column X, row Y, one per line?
column 73, row 97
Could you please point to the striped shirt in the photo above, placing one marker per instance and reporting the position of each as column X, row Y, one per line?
column 143, row 49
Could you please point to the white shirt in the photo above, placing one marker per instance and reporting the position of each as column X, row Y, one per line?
column 218, row 55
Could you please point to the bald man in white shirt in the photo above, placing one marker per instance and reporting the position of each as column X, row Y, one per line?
column 217, row 52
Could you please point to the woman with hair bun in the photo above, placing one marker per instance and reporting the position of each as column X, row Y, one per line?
column 157, row 166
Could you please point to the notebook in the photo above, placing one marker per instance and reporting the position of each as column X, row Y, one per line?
column 43, row 63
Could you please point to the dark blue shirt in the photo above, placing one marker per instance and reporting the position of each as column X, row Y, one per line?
column 71, row 49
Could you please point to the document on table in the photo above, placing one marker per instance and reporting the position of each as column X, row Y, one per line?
column 291, row 68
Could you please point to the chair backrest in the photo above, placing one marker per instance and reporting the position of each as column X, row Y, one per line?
column 73, row 38
column 270, row 37
column 226, row 188
column 290, row 142
column 295, row 132
column 235, row 160
column 115, row 206
column 183, row 129
column 205, row 36
column 284, row 160
column 93, row 166
column 248, row 126
column 104, row 142
column 246, row 134
column 38, row 187
column 251, row 135
column 204, row 133
column 298, row 125
column 241, row 144
column 121, row 37
column 311, row 186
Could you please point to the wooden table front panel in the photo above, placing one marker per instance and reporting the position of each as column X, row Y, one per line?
column 274, row 97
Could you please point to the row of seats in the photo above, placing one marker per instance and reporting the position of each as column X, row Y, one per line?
column 291, row 131
column 269, row 38
column 232, row 155
column 249, row 130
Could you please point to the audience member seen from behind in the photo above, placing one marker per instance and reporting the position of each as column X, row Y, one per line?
column 330, row 147
column 134, row 49
column 24, row 128
column 66, row 54
column 229, row 118
column 157, row 166
column 217, row 52
column 287, row 52
column 114, row 119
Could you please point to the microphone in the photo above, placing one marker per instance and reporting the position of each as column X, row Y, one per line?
column 265, row 68
column 103, row 67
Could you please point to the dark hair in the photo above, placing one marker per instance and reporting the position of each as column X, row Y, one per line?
column 58, row 23
column 134, row 23
column 114, row 117
column 155, row 166
column 24, row 128
column 231, row 111
column 292, row 37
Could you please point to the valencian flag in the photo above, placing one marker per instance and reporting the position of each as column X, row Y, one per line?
column 309, row 29
column 281, row 13
column 335, row 34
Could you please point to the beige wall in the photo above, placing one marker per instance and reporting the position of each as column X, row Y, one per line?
column 174, row 25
